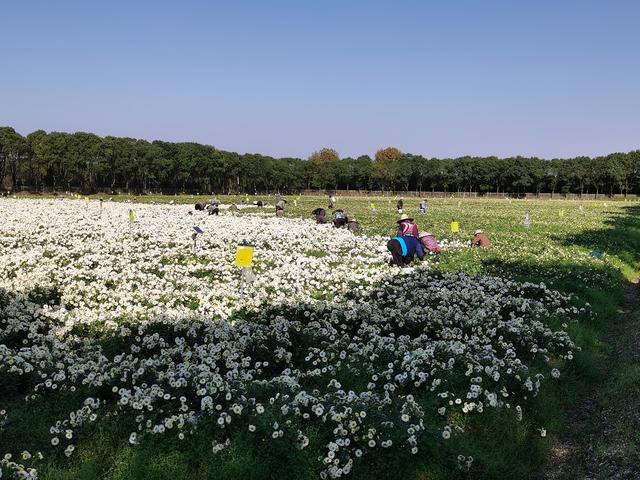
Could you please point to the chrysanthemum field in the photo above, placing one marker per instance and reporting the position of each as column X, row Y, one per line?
column 127, row 351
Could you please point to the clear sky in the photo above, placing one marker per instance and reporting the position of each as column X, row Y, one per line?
column 551, row 78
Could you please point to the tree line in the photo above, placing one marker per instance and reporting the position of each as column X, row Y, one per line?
column 88, row 163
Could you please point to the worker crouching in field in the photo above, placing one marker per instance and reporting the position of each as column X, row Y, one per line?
column 403, row 248
column 339, row 218
column 353, row 225
column 406, row 226
column 480, row 240
column 429, row 242
column 213, row 209
column 321, row 216
column 280, row 203
column 199, row 206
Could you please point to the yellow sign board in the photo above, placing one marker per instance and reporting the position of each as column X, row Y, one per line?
column 373, row 206
column 244, row 257
column 455, row 227
column 561, row 213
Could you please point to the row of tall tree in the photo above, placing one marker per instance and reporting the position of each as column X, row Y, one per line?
column 89, row 163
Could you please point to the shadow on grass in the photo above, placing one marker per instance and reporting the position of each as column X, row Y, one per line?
column 620, row 238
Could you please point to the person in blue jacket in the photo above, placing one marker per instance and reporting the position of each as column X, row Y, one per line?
column 403, row 248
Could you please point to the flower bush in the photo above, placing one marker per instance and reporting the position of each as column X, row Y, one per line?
column 141, row 324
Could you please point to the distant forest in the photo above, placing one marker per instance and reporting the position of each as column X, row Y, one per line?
column 88, row 163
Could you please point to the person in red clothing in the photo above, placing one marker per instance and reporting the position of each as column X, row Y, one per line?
column 429, row 242
column 407, row 227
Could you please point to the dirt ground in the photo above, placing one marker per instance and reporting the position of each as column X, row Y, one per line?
column 602, row 438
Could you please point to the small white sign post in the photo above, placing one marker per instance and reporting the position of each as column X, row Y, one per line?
column 196, row 232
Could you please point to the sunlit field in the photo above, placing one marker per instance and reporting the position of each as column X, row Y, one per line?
column 131, row 350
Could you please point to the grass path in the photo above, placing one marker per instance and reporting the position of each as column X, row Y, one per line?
column 602, row 436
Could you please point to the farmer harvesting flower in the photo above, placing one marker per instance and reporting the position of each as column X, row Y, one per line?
column 280, row 202
column 406, row 226
column 400, row 205
column 480, row 239
column 353, row 225
column 321, row 215
column 213, row 209
column 339, row 218
column 403, row 248
column 429, row 242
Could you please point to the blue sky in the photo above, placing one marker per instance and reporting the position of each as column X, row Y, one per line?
column 446, row 78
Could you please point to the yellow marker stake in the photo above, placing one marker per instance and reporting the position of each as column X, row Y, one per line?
column 561, row 213
column 373, row 206
column 455, row 227
column 131, row 215
column 244, row 257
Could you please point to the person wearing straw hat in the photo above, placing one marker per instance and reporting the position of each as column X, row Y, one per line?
column 429, row 242
column 480, row 239
column 406, row 226
column 353, row 225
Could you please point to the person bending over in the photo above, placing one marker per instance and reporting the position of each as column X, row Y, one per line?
column 213, row 209
column 480, row 239
column 321, row 215
column 403, row 249
column 339, row 218
column 429, row 242
column 353, row 225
